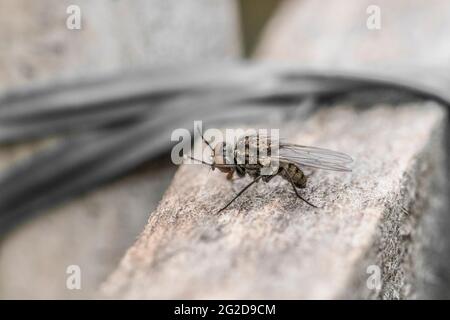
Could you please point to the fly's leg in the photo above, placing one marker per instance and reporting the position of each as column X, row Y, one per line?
column 295, row 190
column 240, row 192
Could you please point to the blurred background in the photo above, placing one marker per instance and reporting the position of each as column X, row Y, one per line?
column 71, row 97
column 38, row 50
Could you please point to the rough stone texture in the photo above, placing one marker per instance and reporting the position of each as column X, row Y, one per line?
column 35, row 45
column 269, row 244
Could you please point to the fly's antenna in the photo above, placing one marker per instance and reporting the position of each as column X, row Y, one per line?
column 212, row 165
column 203, row 138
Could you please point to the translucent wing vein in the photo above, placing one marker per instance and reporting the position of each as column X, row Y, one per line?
column 314, row 157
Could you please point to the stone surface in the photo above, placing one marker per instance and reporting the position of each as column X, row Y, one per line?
column 269, row 244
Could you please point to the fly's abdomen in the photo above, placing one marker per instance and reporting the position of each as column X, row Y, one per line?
column 297, row 175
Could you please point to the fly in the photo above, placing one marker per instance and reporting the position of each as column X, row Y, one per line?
column 290, row 158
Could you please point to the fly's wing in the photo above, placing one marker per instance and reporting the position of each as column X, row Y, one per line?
column 314, row 157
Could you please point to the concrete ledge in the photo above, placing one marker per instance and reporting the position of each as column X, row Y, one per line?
column 270, row 245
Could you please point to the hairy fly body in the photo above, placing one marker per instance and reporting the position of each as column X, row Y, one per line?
column 252, row 153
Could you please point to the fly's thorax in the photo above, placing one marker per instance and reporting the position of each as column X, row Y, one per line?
column 222, row 156
column 253, row 149
column 253, row 152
